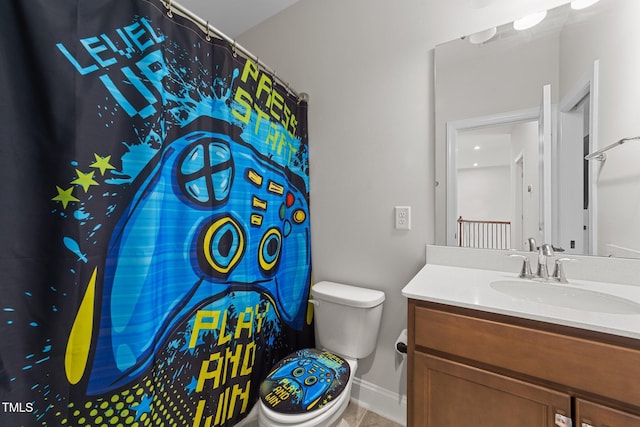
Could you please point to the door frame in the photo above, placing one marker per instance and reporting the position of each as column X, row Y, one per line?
column 453, row 127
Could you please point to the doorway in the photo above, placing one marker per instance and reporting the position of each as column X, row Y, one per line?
column 494, row 174
column 577, row 193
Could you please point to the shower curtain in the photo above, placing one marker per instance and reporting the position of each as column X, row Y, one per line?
column 155, row 242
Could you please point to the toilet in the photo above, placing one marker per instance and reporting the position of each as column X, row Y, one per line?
column 312, row 387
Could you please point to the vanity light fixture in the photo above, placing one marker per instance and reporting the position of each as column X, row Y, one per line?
column 582, row 4
column 483, row 36
column 529, row 21
column 477, row 147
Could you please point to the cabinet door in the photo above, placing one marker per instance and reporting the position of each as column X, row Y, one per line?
column 593, row 415
column 450, row 394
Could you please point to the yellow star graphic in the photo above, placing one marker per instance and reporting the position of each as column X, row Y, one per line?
column 102, row 163
column 65, row 196
column 85, row 180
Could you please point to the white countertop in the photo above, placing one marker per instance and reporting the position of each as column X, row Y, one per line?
column 470, row 288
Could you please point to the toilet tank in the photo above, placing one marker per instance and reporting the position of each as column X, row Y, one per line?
column 347, row 318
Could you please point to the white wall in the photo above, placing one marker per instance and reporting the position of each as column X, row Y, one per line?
column 367, row 66
column 484, row 193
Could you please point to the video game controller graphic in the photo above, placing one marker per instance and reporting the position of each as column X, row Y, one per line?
column 313, row 378
column 212, row 215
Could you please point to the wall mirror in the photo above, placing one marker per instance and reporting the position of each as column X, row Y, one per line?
column 517, row 111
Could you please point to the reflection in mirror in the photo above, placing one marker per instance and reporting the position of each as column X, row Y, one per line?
column 584, row 66
column 495, row 167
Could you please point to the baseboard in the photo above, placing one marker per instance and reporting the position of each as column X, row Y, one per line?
column 379, row 400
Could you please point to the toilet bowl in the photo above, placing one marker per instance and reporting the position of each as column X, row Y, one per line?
column 312, row 387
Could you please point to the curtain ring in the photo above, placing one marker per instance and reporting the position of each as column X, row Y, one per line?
column 169, row 12
column 234, row 48
column 303, row 97
column 208, row 37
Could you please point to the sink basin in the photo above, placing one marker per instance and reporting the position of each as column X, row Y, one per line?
column 560, row 295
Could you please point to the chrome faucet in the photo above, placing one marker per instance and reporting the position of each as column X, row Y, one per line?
column 544, row 252
column 531, row 244
column 542, row 272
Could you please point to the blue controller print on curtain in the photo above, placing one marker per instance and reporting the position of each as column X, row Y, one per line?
column 220, row 244
column 171, row 266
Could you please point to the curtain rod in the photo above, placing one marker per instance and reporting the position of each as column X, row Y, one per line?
column 600, row 156
column 210, row 30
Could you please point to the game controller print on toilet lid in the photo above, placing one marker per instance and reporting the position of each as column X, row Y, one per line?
column 305, row 381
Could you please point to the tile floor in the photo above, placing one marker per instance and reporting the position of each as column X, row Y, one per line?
column 356, row 416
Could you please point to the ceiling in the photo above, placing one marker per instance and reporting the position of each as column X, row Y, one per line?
column 234, row 17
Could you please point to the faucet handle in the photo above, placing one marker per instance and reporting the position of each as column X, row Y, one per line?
column 525, row 272
column 558, row 271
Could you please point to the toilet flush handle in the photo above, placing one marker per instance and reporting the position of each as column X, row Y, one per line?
column 314, row 302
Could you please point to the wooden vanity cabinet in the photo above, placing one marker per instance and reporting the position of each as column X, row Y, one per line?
column 473, row 368
column 448, row 393
column 591, row 414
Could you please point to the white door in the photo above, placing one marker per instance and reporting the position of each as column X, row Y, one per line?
column 517, row 236
column 544, row 147
column 577, row 216
column 573, row 199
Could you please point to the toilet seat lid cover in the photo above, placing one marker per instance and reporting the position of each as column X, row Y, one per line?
column 305, row 381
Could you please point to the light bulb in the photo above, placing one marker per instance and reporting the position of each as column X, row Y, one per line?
column 483, row 36
column 529, row 21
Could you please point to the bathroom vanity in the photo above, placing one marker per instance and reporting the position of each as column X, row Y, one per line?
column 482, row 355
